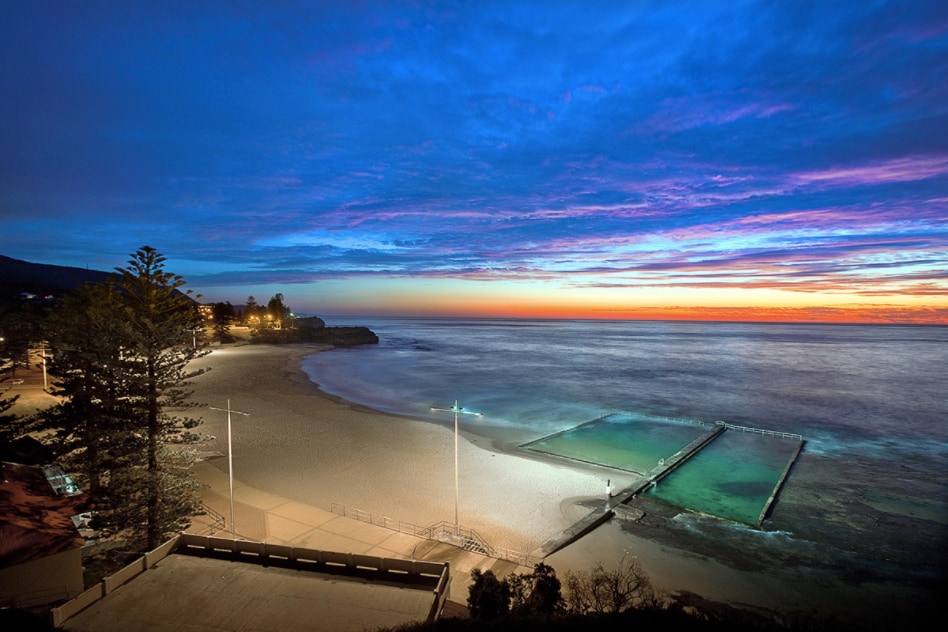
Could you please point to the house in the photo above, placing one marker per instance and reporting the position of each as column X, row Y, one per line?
column 40, row 543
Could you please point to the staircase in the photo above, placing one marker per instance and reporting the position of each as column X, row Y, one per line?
column 215, row 521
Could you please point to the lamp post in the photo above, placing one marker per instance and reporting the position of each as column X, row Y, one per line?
column 456, row 410
column 230, row 464
column 43, row 352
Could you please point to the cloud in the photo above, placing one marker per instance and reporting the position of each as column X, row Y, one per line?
column 699, row 144
column 902, row 169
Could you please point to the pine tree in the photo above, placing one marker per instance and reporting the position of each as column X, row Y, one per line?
column 224, row 316
column 91, row 430
column 9, row 426
column 161, row 321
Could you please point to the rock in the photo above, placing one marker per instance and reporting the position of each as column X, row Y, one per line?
column 342, row 336
column 335, row 336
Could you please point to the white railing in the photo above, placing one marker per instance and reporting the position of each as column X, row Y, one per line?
column 469, row 538
column 761, row 431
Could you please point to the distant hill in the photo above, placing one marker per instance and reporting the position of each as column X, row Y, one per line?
column 17, row 277
column 42, row 279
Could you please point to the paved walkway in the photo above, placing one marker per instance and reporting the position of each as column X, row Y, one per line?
column 265, row 517
column 184, row 593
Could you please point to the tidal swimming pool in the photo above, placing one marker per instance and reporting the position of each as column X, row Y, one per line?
column 734, row 476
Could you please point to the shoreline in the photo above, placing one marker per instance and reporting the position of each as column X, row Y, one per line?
column 314, row 448
column 378, row 462
column 402, row 467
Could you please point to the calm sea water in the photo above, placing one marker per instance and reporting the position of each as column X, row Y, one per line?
column 870, row 390
column 868, row 496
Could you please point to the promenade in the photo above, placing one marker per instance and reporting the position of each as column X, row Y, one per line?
column 183, row 592
column 265, row 517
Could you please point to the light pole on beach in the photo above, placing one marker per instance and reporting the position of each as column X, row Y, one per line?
column 230, row 463
column 456, row 410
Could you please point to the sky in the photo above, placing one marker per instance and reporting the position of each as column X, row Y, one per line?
column 741, row 160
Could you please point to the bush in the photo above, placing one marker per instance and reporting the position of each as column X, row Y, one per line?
column 535, row 594
column 488, row 597
column 601, row 591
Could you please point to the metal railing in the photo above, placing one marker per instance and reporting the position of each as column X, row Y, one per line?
column 217, row 522
column 463, row 537
column 39, row 599
column 761, row 431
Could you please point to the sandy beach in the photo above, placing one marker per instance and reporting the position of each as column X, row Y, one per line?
column 299, row 444
column 312, row 448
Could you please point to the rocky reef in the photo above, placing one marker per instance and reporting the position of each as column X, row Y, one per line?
column 314, row 330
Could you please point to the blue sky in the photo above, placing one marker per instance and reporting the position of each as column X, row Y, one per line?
column 624, row 159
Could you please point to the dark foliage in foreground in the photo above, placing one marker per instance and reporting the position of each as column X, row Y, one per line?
column 24, row 621
column 651, row 619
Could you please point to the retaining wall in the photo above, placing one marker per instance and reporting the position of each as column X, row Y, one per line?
column 412, row 573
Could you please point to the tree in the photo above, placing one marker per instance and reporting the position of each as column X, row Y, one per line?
column 91, row 427
column 536, row 593
column 120, row 356
column 160, row 319
column 224, row 316
column 276, row 311
column 488, row 597
column 17, row 330
column 10, row 428
column 601, row 591
column 251, row 313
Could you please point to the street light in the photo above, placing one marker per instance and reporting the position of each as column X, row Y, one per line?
column 456, row 410
column 230, row 464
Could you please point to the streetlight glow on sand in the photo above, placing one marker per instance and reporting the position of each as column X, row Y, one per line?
column 456, row 410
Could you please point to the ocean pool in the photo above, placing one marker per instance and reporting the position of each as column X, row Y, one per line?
column 732, row 477
column 624, row 441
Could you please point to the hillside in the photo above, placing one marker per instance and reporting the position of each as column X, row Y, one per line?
column 17, row 277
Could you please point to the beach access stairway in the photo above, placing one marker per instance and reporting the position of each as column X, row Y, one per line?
column 216, row 521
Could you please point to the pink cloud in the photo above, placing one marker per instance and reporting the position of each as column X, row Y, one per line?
column 684, row 113
column 908, row 169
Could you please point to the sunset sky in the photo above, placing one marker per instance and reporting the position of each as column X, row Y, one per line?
column 691, row 159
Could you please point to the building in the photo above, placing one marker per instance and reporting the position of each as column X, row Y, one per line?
column 40, row 541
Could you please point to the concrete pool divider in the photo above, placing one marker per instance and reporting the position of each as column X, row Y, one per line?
column 783, row 477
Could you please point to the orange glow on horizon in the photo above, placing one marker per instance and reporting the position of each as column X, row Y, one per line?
column 464, row 299
column 842, row 314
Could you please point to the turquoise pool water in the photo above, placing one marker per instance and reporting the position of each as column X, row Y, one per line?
column 732, row 477
column 624, row 441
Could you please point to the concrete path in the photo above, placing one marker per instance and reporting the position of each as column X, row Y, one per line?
column 265, row 517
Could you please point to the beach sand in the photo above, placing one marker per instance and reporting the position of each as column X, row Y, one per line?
column 313, row 448
column 302, row 445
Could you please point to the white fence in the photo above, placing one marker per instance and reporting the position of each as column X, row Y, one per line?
column 468, row 539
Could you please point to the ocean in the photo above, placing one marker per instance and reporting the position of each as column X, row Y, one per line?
column 869, row 401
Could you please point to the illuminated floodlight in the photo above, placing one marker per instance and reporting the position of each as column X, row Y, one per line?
column 457, row 410
column 230, row 464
